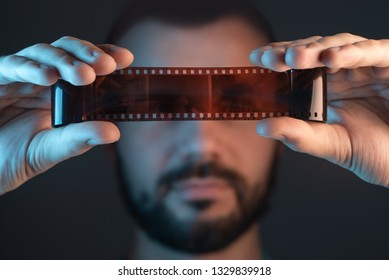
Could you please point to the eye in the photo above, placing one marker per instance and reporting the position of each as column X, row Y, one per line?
column 233, row 97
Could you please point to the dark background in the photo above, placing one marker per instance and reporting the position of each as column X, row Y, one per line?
column 74, row 211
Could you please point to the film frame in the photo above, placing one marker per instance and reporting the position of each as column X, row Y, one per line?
column 171, row 94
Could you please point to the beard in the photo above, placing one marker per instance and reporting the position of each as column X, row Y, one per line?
column 196, row 236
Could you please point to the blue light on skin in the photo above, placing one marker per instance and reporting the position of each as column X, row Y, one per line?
column 149, row 149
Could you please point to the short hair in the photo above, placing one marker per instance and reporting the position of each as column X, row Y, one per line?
column 188, row 14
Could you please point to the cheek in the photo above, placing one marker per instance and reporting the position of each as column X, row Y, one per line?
column 253, row 154
column 260, row 157
column 142, row 154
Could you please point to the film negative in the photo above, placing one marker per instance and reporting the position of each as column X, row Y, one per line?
column 163, row 94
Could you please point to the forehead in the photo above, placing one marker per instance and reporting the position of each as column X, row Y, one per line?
column 223, row 43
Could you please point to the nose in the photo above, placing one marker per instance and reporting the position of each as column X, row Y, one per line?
column 200, row 140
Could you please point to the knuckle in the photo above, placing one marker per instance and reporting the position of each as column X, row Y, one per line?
column 316, row 44
column 346, row 48
column 346, row 35
column 296, row 42
column 64, row 61
column 12, row 60
column 368, row 44
column 8, row 59
column 85, row 42
column 63, row 58
column 30, row 63
column 316, row 38
column 44, row 79
column 86, row 48
column 63, row 41
column 326, row 40
column 39, row 46
column 66, row 38
column 371, row 43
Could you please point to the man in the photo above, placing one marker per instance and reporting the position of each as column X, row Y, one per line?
column 196, row 188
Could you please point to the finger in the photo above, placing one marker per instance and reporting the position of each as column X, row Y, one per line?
column 17, row 89
column 8, row 113
column 43, row 103
column 359, row 82
column 274, row 59
column 339, row 92
column 317, row 139
column 51, row 147
column 275, row 53
column 69, row 68
column 305, row 41
column 85, row 51
column 15, row 68
column 355, row 76
column 122, row 56
column 272, row 45
column 257, row 54
column 307, row 56
column 303, row 54
column 339, row 39
column 360, row 54
column 12, row 108
column 277, row 58
column 272, row 55
column 6, row 102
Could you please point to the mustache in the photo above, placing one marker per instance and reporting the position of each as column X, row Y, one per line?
column 193, row 169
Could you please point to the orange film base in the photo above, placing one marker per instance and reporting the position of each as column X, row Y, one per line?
column 163, row 94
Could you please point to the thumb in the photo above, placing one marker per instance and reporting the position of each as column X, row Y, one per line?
column 53, row 146
column 317, row 139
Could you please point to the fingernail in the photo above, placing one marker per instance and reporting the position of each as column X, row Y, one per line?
column 76, row 63
column 267, row 58
column 113, row 49
column 96, row 53
column 261, row 129
column 254, row 56
column 93, row 142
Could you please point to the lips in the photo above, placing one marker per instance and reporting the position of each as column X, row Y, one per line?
column 196, row 189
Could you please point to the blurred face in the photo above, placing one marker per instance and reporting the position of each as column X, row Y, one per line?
column 194, row 185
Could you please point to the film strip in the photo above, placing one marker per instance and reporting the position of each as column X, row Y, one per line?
column 162, row 94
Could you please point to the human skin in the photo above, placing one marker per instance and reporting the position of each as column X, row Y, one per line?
column 28, row 144
column 149, row 149
column 356, row 136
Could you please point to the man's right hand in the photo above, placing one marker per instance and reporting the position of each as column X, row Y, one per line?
column 28, row 143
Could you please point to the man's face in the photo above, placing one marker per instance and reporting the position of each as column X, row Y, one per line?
column 194, row 185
